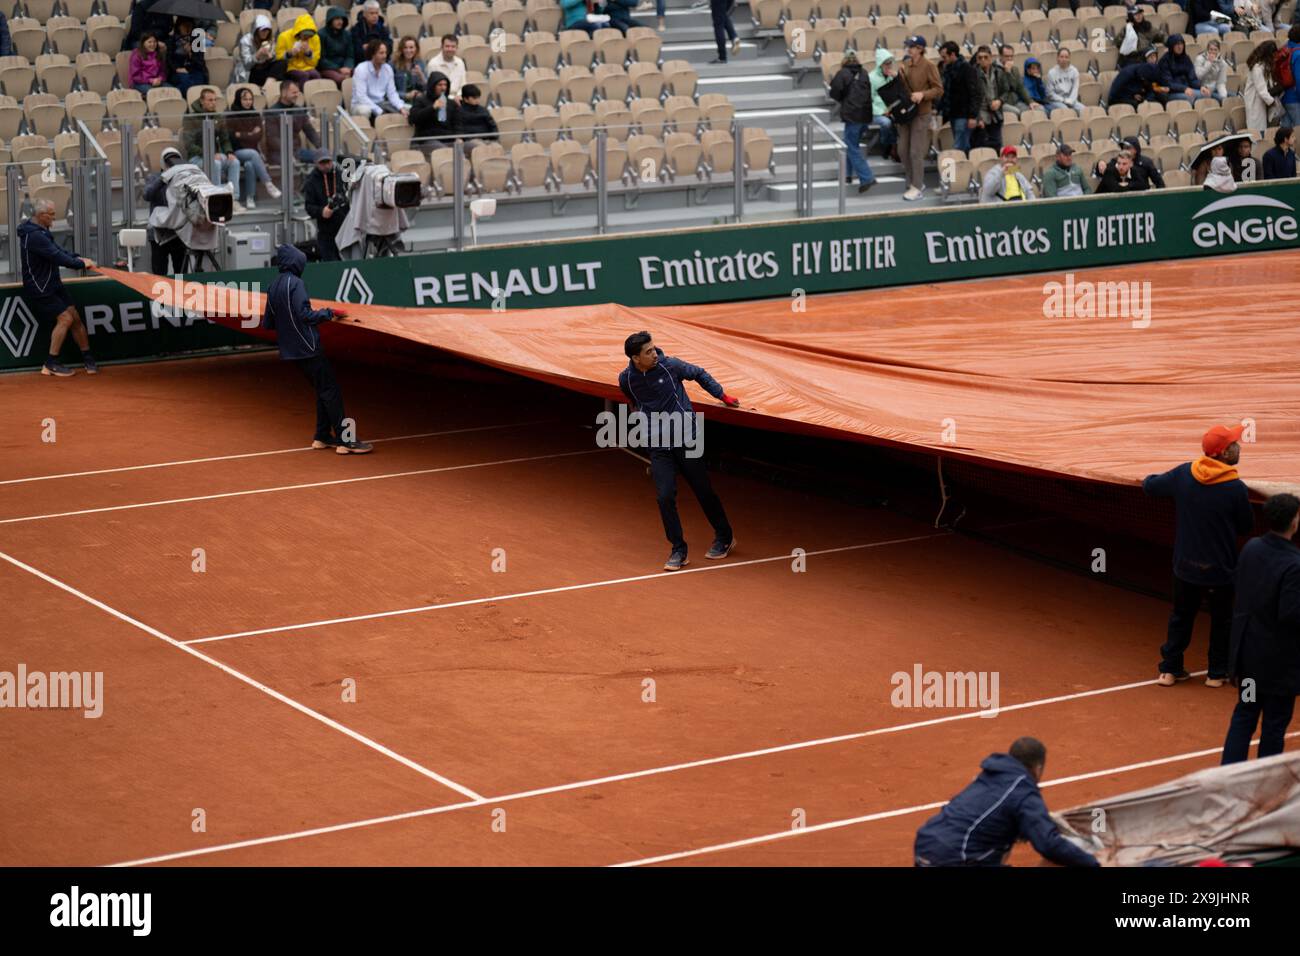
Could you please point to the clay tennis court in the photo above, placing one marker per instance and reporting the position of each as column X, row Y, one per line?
column 500, row 716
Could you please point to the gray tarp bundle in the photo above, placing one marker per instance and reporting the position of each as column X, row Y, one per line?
column 1245, row 809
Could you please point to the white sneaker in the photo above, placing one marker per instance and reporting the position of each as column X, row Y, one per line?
column 250, row 203
column 912, row 194
column 273, row 190
column 236, row 207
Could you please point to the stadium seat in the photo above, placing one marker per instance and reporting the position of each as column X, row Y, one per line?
column 649, row 117
column 259, row 94
column 67, row 146
column 578, row 121
column 718, row 110
column 492, row 174
column 476, row 53
column 683, row 113
column 531, row 164
column 322, row 95
column 506, row 88
column 510, row 51
column 85, row 106
column 28, row 37
column 105, row 34
column 150, row 144
column 684, row 155
column 611, row 46
column 577, row 48
column 544, row 15
column 510, row 125
column 55, row 73
column 403, row 20
column 32, row 152
column 612, row 81
column 569, row 162
column 543, row 48
column 543, row 86
column 645, row 44
column 41, row 10
column 439, row 18
column 766, row 14
column 542, row 122
column 11, row 117
column 577, row 84
column 45, row 113
column 394, row 129
column 647, row 80
column 680, row 77
column 286, row 17
column 411, row 161
column 442, row 163
column 96, row 71
column 758, row 148
column 615, row 117
column 800, row 41
column 16, row 76
column 475, row 18
column 646, row 159
column 221, row 65
column 68, row 35
column 168, row 105
column 719, row 149
column 510, row 16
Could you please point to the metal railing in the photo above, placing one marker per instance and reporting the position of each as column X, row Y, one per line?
column 807, row 128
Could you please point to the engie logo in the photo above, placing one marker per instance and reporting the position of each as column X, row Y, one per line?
column 352, row 282
column 1248, row 225
column 17, row 326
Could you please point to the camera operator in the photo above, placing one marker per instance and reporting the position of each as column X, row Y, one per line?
column 325, row 194
column 169, row 249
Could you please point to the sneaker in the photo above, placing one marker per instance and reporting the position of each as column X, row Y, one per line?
column 250, row 203
column 91, row 366
column 643, row 6
column 663, row 25
column 273, row 191
column 325, row 443
column 716, row 61
column 735, row 46
column 51, row 367
column 719, row 550
column 865, row 186
column 912, row 194
column 1215, row 681
column 353, row 447
column 236, row 208
column 1169, row 680
column 676, row 561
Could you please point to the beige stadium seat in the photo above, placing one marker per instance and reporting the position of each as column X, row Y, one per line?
column 831, row 37
column 96, row 71
column 475, row 18
column 55, row 73
column 683, row 113
column 866, row 39
column 126, row 106
column 577, row 84
column 476, row 53
column 150, row 144
column 531, row 164
column 510, row 125
column 394, row 129
column 543, row 86
column 403, row 20
column 1101, row 129
column 646, row 159
column 510, row 16
column 411, row 161
column 286, row 16
column 718, row 110
column 612, row 81
column 542, row 122
column 649, row 117
column 719, row 152
column 507, row 88
column 443, row 166
column 645, row 44
column 647, row 80
column 11, row 117
column 16, row 76
column 439, row 18
column 577, row 48
column 41, row 10
column 543, row 48
column 680, row 77
column 28, row 37
column 578, row 120
column 758, row 149
column 569, row 162
column 615, row 159
column 615, row 117
column 493, row 175
column 32, row 152
column 68, row 35
column 800, row 41
column 322, row 95
column 221, row 65
column 1169, row 158
column 766, row 14
column 67, row 146
column 1177, row 178
column 167, row 104
column 87, row 107
column 544, row 15
column 227, row 36
column 105, row 34
column 611, row 46
column 248, row 17
column 685, row 155
column 803, row 9
column 1188, row 121
column 45, row 113
column 510, row 51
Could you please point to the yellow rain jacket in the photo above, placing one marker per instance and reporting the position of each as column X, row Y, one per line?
column 289, row 39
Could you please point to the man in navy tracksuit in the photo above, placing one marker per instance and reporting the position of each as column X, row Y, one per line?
column 1003, row 804
column 655, row 382
column 289, row 313
column 1265, row 656
column 43, row 289
column 1212, row 510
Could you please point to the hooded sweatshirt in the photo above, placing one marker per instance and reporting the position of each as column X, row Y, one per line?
column 1219, row 177
column 429, row 120
column 1212, row 508
column 246, row 55
column 288, row 309
column 979, row 826
column 41, row 257
column 288, row 41
column 1213, row 73
column 663, row 389
column 1034, row 84
column 363, row 33
column 878, row 80
column 336, row 45
column 1177, row 71
column 192, row 132
column 1133, row 83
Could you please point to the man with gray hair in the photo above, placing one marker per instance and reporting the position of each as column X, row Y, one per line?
column 43, row 289
column 370, row 26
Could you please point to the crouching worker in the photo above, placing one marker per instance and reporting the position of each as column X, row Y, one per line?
column 290, row 315
column 1003, row 804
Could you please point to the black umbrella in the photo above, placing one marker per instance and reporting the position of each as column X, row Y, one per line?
column 1203, row 154
column 190, row 9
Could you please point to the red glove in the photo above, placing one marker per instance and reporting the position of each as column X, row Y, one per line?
column 339, row 313
column 730, row 400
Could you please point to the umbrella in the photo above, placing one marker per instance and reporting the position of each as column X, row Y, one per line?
column 190, row 9
column 1203, row 155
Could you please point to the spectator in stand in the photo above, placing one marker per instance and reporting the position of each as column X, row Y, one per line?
column 1138, row 83
column 1017, row 98
column 373, row 88
column 1199, row 15
column 431, row 115
column 471, row 120
column 369, row 26
column 171, row 251
column 337, row 60
column 255, row 60
column 225, row 165
column 1279, row 162
column 1143, row 171
column 1005, row 182
column 620, row 15
column 290, row 101
column 963, row 95
column 1063, row 83
column 408, row 69
column 1291, row 94
column 144, row 22
column 1118, row 177
column 147, row 68
column 6, row 39
column 299, row 47
column 245, row 125
column 448, row 64
column 1064, row 178
column 851, row 88
column 885, row 78
column 1140, row 38
column 1034, row 85
column 723, row 29
column 1241, row 162
column 1212, row 72
column 322, row 183
column 921, row 80
column 574, row 16
column 185, row 64
column 996, row 85
column 1178, row 72
column 1261, row 90
column 1201, row 164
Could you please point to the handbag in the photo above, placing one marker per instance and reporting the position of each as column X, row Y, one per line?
column 898, row 101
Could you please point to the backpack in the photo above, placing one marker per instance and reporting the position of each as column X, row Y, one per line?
column 1282, row 67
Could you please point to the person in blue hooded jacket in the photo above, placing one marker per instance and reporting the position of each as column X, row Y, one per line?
column 43, row 289
column 290, row 315
column 1003, row 804
column 655, row 384
column 1034, row 81
column 1178, row 72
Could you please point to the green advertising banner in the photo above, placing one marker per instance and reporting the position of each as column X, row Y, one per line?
column 722, row 263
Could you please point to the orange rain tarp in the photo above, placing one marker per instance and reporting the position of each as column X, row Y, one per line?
column 968, row 369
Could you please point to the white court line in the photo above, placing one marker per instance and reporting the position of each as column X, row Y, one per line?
column 617, row 778
column 904, row 811
column 311, row 484
column 256, row 454
column 653, row 576
column 226, row 668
